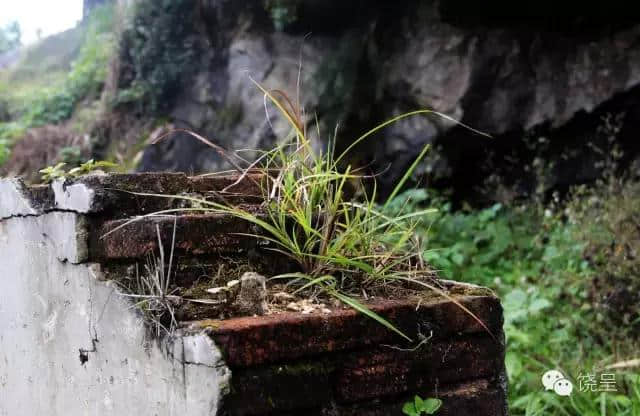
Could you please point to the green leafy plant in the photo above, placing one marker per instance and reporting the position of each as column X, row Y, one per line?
column 546, row 262
column 9, row 132
column 71, row 155
column 90, row 166
column 158, row 50
column 421, row 406
column 51, row 173
column 599, row 403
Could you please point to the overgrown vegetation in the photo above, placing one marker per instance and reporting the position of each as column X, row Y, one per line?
column 610, row 229
column 557, row 268
column 158, row 50
column 51, row 173
column 546, row 262
column 343, row 249
column 56, row 103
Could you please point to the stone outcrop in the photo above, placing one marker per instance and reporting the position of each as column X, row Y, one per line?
column 542, row 87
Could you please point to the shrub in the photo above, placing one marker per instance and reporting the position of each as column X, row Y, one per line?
column 547, row 264
column 157, row 50
column 608, row 224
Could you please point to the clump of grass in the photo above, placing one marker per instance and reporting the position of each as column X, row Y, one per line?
column 154, row 293
column 344, row 249
column 152, row 290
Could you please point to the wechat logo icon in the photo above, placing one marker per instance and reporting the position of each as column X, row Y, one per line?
column 554, row 380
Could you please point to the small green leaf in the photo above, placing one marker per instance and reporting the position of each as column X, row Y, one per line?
column 419, row 403
column 409, row 409
column 430, row 406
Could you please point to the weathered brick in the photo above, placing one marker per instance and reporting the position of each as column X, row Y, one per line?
column 249, row 341
column 279, row 388
column 362, row 376
column 248, row 189
column 475, row 398
column 386, row 371
column 289, row 363
column 195, row 235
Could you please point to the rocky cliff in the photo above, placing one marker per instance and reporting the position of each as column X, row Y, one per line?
column 557, row 94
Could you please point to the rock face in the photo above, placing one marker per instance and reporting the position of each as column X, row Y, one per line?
column 556, row 94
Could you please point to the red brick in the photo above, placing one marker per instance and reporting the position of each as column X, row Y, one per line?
column 250, row 341
column 195, row 235
column 475, row 398
column 279, row 388
column 387, row 372
column 117, row 195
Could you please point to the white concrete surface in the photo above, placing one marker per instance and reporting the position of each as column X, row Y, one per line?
column 13, row 201
column 52, row 305
column 77, row 197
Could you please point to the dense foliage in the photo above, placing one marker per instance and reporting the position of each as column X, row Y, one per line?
column 56, row 103
column 547, row 264
column 86, row 77
column 157, row 50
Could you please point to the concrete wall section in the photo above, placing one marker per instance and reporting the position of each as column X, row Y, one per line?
column 71, row 345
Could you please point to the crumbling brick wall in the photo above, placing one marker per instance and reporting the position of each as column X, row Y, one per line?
column 71, row 343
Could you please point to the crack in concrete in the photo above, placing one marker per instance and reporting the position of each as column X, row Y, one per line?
column 40, row 214
column 220, row 366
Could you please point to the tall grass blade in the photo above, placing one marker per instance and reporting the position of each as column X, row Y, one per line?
column 368, row 312
column 407, row 175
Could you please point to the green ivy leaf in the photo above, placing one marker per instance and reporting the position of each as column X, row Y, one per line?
column 430, row 406
column 419, row 403
column 409, row 409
